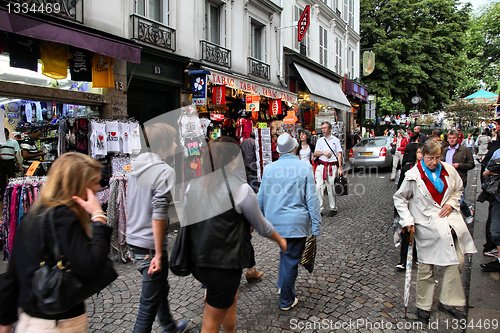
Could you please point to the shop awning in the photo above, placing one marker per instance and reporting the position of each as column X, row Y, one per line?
column 54, row 32
column 239, row 82
column 323, row 90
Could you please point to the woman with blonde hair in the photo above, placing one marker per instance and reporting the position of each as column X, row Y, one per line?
column 397, row 159
column 68, row 200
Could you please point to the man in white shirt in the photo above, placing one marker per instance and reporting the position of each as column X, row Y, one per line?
column 329, row 151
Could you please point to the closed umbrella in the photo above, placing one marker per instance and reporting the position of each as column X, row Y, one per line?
column 409, row 265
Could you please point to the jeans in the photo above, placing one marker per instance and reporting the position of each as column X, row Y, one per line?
column 464, row 208
column 288, row 270
column 495, row 222
column 154, row 294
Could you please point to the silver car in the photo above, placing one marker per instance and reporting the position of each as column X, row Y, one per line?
column 375, row 151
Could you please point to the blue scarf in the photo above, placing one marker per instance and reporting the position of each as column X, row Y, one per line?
column 438, row 182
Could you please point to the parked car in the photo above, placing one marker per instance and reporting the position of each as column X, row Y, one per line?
column 372, row 152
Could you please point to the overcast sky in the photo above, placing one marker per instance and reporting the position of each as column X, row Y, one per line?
column 477, row 3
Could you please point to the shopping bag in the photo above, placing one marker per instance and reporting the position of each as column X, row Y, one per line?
column 309, row 254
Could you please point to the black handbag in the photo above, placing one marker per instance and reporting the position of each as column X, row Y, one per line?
column 340, row 185
column 309, row 254
column 55, row 287
column 393, row 150
column 180, row 258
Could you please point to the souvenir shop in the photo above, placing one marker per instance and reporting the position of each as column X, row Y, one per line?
column 73, row 96
column 233, row 105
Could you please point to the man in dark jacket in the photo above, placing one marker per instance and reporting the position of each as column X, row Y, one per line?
column 460, row 157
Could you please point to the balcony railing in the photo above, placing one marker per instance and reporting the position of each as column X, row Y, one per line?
column 215, row 54
column 153, row 32
column 258, row 68
column 67, row 9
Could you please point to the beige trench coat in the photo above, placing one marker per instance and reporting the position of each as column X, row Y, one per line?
column 433, row 236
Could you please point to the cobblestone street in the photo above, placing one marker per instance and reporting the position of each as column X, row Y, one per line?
column 354, row 287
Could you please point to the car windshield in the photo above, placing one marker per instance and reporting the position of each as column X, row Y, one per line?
column 376, row 142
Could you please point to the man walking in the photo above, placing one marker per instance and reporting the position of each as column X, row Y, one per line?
column 329, row 151
column 423, row 137
column 461, row 158
column 148, row 199
column 288, row 199
column 248, row 147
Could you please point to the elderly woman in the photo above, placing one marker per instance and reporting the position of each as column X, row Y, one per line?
column 305, row 150
column 428, row 203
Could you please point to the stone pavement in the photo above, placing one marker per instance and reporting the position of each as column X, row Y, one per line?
column 354, row 287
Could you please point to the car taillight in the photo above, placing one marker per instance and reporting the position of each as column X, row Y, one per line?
column 383, row 152
column 351, row 154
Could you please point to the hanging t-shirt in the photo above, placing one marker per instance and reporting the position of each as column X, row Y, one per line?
column 39, row 114
column 204, row 124
column 29, row 112
column 54, row 58
column 135, row 138
column 80, row 65
column 23, row 52
column 125, row 138
column 113, row 134
column 98, row 140
column 102, row 71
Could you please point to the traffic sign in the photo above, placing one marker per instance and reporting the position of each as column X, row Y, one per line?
column 304, row 22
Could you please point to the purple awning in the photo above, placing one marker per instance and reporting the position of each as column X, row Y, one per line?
column 54, row 32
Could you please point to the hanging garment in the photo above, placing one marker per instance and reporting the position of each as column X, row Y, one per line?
column 102, row 71
column 117, row 216
column 71, row 134
column 113, row 134
column 54, row 58
column 98, row 140
column 125, row 138
column 28, row 108
column 23, row 52
column 81, row 135
column 135, row 138
column 80, row 65
column 38, row 111
column 205, row 122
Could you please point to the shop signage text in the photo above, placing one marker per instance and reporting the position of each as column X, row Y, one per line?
column 200, row 90
column 275, row 107
column 219, row 95
column 304, row 22
column 251, row 87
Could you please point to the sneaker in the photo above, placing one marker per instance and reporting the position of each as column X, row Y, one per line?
column 291, row 306
column 491, row 253
column 469, row 219
column 401, row 267
column 332, row 213
column 182, row 326
column 471, row 210
column 493, row 266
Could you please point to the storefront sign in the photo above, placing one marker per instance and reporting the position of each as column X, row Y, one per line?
column 368, row 62
column 250, row 87
column 290, row 118
column 253, row 106
column 275, row 107
column 200, row 90
column 262, row 125
column 219, row 95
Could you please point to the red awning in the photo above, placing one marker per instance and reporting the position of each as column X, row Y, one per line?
column 54, row 32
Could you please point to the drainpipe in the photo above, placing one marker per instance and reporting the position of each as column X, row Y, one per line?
column 280, row 72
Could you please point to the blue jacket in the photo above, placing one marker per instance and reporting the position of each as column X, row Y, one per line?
column 288, row 198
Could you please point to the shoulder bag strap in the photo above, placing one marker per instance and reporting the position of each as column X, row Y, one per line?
column 55, row 248
column 331, row 149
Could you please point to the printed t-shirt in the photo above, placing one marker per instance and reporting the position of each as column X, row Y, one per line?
column 80, row 65
column 113, row 134
column 102, row 71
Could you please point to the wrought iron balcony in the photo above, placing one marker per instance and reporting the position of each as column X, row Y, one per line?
column 215, row 54
column 258, row 68
column 67, row 9
column 153, row 32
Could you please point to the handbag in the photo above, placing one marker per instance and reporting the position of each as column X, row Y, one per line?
column 393, row 150
column 54, row 285
column 309, row 254
column 180, row 259
column 340, row 185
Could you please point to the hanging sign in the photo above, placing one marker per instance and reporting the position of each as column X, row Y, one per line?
column 219, row 95
column 368, row 62
column 217, row 117
column 32, row 168
column 290, row 118
column 275, row 107
column 262, row 125
column 253, row 103
column 200, row 90
column 304, row 22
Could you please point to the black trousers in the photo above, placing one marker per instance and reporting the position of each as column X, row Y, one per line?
column 7, row 170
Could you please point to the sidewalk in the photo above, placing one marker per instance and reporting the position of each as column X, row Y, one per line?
column 484, row 290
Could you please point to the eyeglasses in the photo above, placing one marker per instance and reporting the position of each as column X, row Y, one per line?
column 433, row 159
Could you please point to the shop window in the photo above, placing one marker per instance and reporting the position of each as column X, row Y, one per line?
column 303, row 46
column 257, row 36
column 338, row 55
column 323, row 46
column 213, row 22
column 153, row 9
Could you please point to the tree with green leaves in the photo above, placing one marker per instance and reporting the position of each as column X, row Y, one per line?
column 417, row 44
column 462, row 111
